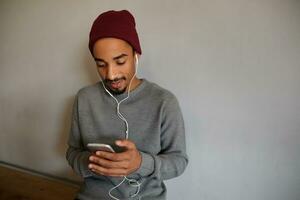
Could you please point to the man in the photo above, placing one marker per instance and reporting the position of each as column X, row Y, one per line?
column 141, row 120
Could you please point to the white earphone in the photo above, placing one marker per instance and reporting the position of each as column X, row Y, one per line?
column 132, row 182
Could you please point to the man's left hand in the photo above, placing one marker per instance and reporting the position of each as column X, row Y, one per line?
column 116, row 164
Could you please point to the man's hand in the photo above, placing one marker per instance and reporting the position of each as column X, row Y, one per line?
column 116, row 164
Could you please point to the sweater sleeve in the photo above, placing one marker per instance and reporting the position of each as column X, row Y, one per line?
column 172, row 159
column 76, row 155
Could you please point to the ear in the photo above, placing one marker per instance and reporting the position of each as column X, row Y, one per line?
column 136, row 57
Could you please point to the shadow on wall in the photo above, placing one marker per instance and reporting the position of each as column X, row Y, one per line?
column 64, row 135
column 88, row 70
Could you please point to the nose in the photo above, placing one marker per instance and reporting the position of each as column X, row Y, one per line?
column 110, row 72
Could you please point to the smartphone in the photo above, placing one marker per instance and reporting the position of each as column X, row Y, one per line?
column 93, row 147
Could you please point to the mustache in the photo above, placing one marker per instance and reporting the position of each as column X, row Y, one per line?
column 108, row 81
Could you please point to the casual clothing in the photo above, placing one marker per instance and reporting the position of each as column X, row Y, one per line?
column 155, row 126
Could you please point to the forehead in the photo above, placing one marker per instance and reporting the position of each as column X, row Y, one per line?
column 110, row 47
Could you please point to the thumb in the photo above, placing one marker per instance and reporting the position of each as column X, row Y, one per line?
column 126, row 143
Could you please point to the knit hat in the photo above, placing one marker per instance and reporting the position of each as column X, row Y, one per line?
column 116, row 24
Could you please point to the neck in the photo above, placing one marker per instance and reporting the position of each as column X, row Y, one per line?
column 134, row 84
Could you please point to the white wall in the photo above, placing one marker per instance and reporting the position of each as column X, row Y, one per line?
column 234, row 66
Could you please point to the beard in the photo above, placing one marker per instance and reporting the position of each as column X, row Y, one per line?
column 116, row 91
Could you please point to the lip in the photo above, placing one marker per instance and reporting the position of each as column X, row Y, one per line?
column 116, row 84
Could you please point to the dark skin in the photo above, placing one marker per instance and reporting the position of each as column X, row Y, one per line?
column 116, row 66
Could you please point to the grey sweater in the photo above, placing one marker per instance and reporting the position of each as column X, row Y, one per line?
column 155, row 125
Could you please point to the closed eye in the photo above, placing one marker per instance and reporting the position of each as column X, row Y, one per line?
column 100, row 65
column 121, row 63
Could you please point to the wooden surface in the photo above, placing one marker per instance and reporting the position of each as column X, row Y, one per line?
column 16, row 185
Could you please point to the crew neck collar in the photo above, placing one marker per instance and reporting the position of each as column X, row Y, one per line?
column 132, row 93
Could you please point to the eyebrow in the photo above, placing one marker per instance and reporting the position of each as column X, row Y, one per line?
column 115, row 58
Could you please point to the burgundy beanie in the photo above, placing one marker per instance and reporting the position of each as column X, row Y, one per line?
column 116, row 24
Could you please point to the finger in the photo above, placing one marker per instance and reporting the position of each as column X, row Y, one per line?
column 107, row 172
column 113, row 156
column 126, row 143
column 109, row 164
